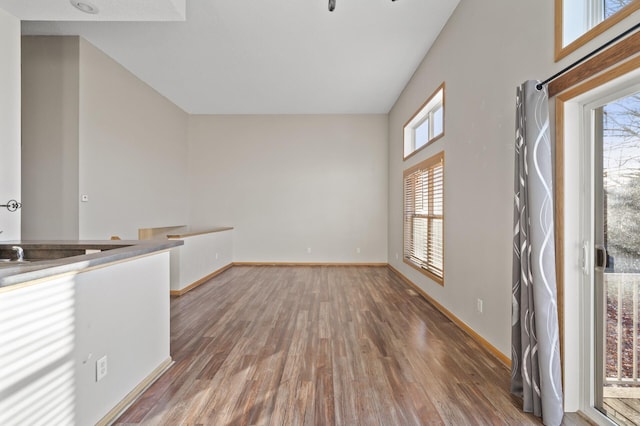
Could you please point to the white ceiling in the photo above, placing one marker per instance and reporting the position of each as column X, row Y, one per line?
column 273, row 57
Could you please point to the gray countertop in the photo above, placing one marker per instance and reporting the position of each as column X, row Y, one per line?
column 188, row 232
column 12, row 273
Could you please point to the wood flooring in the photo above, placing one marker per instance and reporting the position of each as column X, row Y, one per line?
column 269, row 345
column 624, row 411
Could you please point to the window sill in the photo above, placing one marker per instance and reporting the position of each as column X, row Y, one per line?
column 430, row 275
column 431, row 141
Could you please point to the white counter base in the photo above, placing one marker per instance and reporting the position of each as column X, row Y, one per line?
column 202, row 257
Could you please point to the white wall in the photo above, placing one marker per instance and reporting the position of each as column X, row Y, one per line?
column 50, row 110
column 91, row 127
column 9, row 123
column 133, row 155
column 122, row 311
column 484, row 52
column 288, row 183
column 52, row 334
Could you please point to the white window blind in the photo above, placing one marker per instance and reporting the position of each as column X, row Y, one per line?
column 424, row 217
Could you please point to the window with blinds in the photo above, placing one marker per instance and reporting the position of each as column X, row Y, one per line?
column 424, row 217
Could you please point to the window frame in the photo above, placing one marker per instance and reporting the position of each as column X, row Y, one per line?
column 428, row 165
column 418, row 118
column 562, row 51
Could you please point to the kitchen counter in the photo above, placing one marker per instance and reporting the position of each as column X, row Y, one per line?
column 193, row 232
column 78, row 256
column 179, row 231
column 207, row 252
column 70, row 307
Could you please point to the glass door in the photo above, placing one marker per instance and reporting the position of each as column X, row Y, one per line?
column 616, row 155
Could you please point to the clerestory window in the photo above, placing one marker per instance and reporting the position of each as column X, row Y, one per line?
column 426, row 125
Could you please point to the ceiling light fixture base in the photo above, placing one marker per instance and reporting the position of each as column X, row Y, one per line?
column 86, row 6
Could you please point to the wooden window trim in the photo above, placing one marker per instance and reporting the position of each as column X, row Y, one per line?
column 561, row 52
column 616, row 54
column 437, row 159
column 418, row 111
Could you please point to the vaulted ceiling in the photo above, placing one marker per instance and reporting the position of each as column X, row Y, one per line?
column 266, row 57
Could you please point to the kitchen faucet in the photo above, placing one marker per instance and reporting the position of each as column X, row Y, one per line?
column 19, row 253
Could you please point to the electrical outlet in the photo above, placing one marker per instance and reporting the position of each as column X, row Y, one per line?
column 216, row 256
column 358, row 250
column 101, row 368
column 479, row 306
column 84, row 198
column 397, row 256
column 308, row 249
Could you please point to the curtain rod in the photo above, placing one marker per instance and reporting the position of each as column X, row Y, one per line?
column 587, row 56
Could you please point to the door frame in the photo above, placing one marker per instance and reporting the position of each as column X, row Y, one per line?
column 573, row 285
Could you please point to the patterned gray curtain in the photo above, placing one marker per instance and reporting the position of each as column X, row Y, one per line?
column 535, row 357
